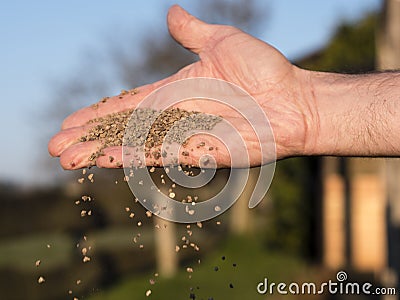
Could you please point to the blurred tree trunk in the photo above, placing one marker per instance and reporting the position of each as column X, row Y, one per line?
column 388, row 58
column 241, row 222
column 165, row 241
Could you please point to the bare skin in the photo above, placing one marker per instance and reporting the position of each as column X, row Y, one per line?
column 310, row 113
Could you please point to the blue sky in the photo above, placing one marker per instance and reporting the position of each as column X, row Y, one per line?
column 44, row 40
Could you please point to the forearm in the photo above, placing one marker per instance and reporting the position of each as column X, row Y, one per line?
column 357, row 115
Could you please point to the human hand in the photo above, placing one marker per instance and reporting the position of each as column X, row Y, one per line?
column 225, row 53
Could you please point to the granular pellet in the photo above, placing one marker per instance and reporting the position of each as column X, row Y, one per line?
column 41, row 279
column 142, row 127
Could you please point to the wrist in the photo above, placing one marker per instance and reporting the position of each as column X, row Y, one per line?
column 356, row 115
column 333, row 97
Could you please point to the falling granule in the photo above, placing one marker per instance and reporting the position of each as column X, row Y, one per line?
column 78, row 282
column 199, row 224
column 86, row 259
column 172, row 195
column 189, row 270
column 141, row 246
column 84, row 251
column 37, row 263
column 127, row 209
column 86, row 198
column 48, row 246
column 177, row 248
column 148, row 293
column 152, row 281
column 80, row 180
column 231, row 285
column 148, row 214
column 41, row 279
column 90, row 177
column 139, row 224
column 131, row 215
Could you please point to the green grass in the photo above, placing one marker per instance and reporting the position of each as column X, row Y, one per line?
column 21, row 253
column 57, row 249
column 253, row 263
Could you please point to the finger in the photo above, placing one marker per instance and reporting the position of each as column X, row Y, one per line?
column 67, row 138
column 80, row 155
column 111, row 158
column 189, row 31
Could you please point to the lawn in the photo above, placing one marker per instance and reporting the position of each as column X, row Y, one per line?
column 231, row 272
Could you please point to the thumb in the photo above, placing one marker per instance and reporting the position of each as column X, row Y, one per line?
column 187, row 30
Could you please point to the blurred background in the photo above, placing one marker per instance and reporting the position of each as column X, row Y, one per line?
column 64, row 237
